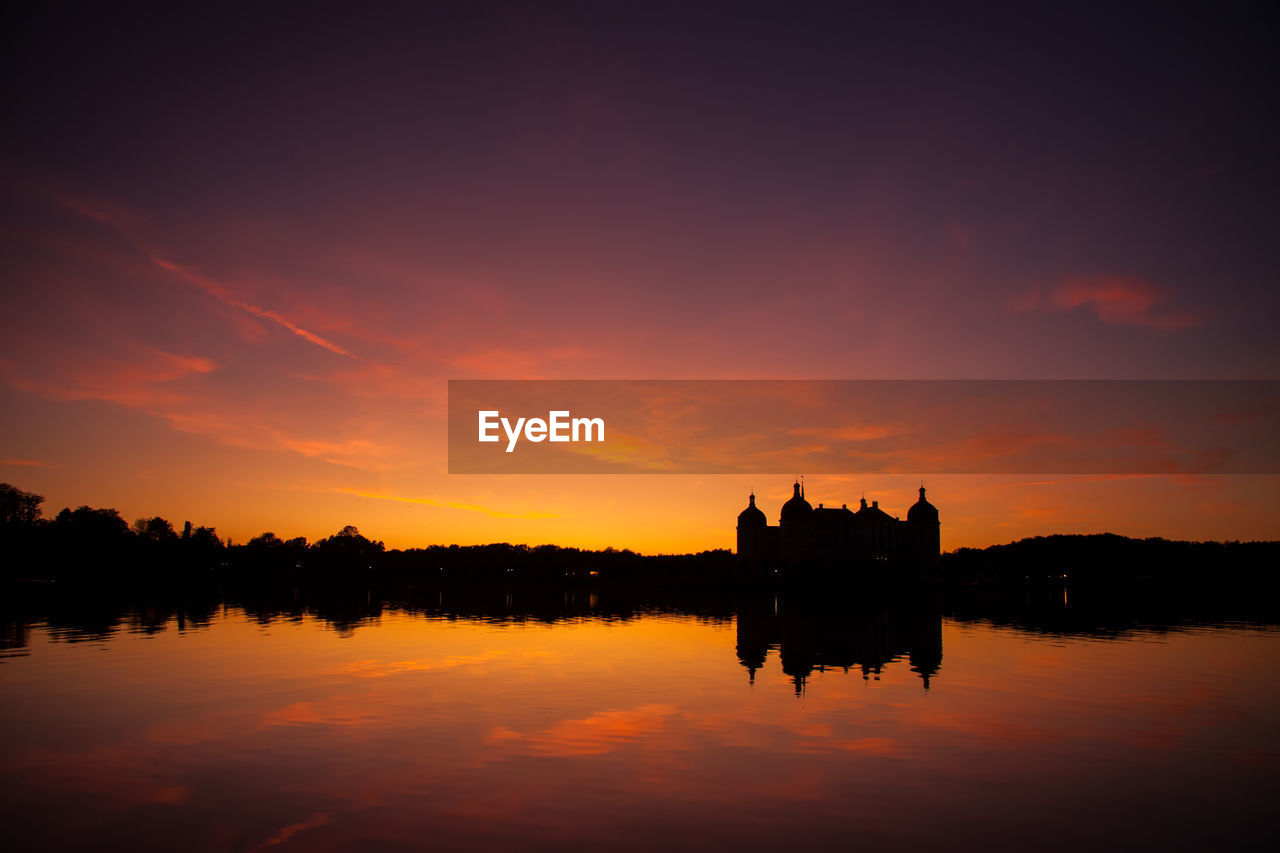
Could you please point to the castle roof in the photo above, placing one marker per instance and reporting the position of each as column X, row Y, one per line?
column 752, row 516
column 797, row 507
column 867, row 513
column 922, row 510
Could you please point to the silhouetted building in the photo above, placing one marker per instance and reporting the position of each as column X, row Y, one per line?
column 830, row 539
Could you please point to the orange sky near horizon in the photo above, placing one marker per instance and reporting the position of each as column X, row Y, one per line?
column 157, row 470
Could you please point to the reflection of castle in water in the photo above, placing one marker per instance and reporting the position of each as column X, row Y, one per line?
column 833, row 633
column 834, row 539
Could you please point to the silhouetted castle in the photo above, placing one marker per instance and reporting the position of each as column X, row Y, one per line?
column 834, row 539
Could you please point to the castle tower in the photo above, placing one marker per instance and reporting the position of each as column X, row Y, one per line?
column 752, row 533
column 924, row 531
column 795, row 525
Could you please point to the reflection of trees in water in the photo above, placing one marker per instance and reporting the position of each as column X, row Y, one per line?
column 98, row 613
column 1112, row 612
column 838, row 631
column 849, row 630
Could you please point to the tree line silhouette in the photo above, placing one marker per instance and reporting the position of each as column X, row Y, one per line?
column 89, row 544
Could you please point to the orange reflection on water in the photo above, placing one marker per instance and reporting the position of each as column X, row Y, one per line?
column 602, row 732
column 290, row 734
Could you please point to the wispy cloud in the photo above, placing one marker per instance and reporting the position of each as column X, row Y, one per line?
column 1121, row 300
column 124, row 224
column 242, row 430
column 142, row 381
column 216, row 290
column 316, row 820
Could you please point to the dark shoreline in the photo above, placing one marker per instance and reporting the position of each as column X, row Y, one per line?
column 91, row 610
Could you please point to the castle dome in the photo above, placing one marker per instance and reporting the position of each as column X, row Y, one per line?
column 797, row 508
column 752, row 516
column 922, row 510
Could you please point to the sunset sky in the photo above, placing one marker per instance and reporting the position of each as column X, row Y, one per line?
column 243, row 252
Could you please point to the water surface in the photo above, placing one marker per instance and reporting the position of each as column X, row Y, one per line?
column 758, row 725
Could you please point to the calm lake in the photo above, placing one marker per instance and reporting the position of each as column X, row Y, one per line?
column 755, row 723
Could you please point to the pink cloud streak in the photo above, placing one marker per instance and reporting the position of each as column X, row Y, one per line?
column 1119, row 300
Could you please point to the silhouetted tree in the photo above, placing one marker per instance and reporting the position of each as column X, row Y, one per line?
column 269, row 552
column 85, row 523
column 348, row 549
column 154, row 529
column 206, row 538
column 18, row 508
column 265, row 540
column 86, row 541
